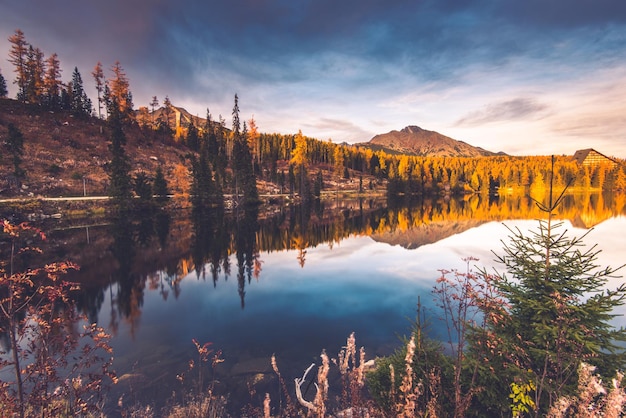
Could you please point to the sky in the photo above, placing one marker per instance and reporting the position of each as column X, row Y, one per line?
column 532, row 77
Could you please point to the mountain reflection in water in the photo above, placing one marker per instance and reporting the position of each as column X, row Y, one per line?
column 290, row 281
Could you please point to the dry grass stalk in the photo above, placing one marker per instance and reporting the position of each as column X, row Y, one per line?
column 352, row 374
column 266, row 406
column 434, row 383
column 290, row 409
column 322, row 386
column 616, row 398
column 360, row 371
column 392, row 378
column 592, row 400
column 409, row 392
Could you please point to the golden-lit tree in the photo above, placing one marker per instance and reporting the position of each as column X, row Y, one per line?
column 18, row 57
column 339, row 159
column 52, row 82
column 35, row 69
column 253, row 140
column 119, row 92
column 181, row 183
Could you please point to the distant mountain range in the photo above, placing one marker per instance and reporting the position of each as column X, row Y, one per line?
column 426, row 233
column 176, row 117
column 411, row 140
column 414, row 140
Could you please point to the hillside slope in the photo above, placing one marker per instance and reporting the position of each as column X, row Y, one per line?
column 67, row 156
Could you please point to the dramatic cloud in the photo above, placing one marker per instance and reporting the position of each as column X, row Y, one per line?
column 366, row 66
column 516, row 109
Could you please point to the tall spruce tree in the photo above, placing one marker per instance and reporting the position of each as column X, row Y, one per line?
column 15, row 146
column 203, row 190
column 245, row 180
column 220, row 161
column 557, row 313
column 142, row 186
column 80, row 104
column 159, row 185
column 119, row 178
column 192, row 138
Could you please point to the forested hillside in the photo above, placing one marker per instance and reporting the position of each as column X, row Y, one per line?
column 56, row 142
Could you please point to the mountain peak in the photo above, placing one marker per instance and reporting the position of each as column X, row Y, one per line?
column 413, row 140
column 412, row 129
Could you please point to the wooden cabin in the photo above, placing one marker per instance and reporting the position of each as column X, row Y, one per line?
column 590, row 156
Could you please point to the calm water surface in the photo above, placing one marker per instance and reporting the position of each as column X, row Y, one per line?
column 295, row 283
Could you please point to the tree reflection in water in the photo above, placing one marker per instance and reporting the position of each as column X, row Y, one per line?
column 159, row 251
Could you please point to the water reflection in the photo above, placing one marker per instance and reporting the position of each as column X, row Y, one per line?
column 138, row 253
column 285, row 280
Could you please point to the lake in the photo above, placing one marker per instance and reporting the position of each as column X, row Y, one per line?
column 291, row 281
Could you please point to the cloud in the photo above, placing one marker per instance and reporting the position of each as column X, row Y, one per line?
column 563, row 14
column 344, row 130
column 510, row 110
column 333, row 68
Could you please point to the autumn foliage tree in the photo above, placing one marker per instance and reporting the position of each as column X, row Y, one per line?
column 118, row 93
column 52, row 82
column 57, row 370
column 17, row 57
column 299, row 161
column 35, row 75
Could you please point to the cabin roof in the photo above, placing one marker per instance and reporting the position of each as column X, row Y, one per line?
column 582, row 154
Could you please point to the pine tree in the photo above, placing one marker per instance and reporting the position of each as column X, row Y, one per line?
column 558, row 309
column 3, row 87
column 15, row 147
column 244, row 177
column 17, row 57
column 203, row 192
column 142, row 186
column 80, row 104
column 319, row 184
column 236, row 123
column 236, row 131
column 154, row 104
column 159, row 185
column 193, row 140
column 164, row 119
column 221, row 159
column 119, row 177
